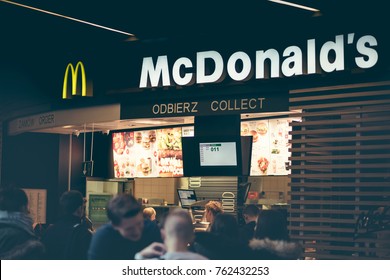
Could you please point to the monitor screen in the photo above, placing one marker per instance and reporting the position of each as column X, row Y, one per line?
column 186, row 197
column 218, row 154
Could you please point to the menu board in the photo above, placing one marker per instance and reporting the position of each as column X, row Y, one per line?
column 148, row 153
column 270, row 145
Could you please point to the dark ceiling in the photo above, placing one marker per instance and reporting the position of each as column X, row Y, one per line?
column 33, row 39
column 183, row 20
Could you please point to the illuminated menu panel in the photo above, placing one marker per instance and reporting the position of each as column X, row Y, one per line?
column 148, row 153
column 270, row 147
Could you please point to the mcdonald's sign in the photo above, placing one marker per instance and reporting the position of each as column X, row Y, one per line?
column 84, row 84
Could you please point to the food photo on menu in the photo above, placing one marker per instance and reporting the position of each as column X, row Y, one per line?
column 170, row 152
column 121, row 144
column 145, row 154
column 279, row 142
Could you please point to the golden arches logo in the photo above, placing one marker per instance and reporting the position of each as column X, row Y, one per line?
column 86, row 90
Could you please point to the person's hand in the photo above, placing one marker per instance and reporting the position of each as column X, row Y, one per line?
column 154, row 250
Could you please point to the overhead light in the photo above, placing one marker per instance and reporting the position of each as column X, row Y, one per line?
column 151, row 122
column 294, row 5
column 69, row 18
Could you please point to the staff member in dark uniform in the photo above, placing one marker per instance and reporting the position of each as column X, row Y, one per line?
column 127, row 234
column 250, row 214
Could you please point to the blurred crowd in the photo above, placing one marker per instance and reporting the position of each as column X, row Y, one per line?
column 134, row 233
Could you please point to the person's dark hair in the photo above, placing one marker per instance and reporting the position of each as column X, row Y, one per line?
column 251, row 210
column 122, row 206
column 13, row 200
column 70, row 201
column 271, row 224
column 225, row 225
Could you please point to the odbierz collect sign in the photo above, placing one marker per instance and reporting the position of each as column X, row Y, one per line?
column 291, row 63
column 192, row 106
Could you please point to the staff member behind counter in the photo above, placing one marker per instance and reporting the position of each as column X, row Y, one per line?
column 212, row 209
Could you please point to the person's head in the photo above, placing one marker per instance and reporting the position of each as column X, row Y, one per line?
column 178, row 228
column 212, row 209
column 13, row 200
column 72, row 203
column 149, row 213
column 126, row 217
column 225, row 225
column 271, row 224
column 250, row 213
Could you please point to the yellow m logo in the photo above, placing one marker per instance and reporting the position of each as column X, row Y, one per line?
column 86, row 90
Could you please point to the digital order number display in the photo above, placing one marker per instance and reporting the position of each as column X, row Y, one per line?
column 218, row 154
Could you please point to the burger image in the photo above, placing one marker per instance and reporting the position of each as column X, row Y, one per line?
column 255, row 136
column 262, row 128
column 138, row 137
column 152, row 136
column 145, row 167
column 146, row 143
column 244, row 129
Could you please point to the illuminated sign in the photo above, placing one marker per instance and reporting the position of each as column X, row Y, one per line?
column 86, row 89
column 270, row 63
column 246, row 103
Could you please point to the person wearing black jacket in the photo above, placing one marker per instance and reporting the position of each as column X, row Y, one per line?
column 222, row 241
column 271, row 240
column 17, row 238
column 250, row 214
column 127, row 232
column 68, row 238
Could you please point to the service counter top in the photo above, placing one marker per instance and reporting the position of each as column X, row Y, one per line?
column 161, row 206
column 268, row 203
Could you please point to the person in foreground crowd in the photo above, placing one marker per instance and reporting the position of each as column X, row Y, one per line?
column 222, row 241
column 149, row 213
column 17, row 238
column 250, row 214
column 271, row 241
column 68, row 238
column 126, row 234
column 178, row 233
